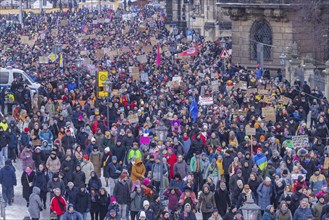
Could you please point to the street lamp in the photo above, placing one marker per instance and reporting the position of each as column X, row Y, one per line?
column 161, row 132
column 78, row 64
column 108, row 86
column 250, row 210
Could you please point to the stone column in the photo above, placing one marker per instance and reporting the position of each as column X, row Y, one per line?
column 308, row 70
column 327, row 79
column 293, row 65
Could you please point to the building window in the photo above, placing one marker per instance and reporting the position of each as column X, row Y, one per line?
column 261, row 32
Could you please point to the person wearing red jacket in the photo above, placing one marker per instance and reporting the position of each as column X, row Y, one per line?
column 58, row 203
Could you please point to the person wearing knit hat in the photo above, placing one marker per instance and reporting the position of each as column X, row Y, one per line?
column 142, row 215
column 87, row 167
column 317, row 180
column 264, row 192
column 122, row 195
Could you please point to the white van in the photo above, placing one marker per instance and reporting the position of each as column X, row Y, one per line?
column 8, row 74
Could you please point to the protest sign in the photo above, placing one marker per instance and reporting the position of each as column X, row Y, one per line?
column 24, row 39
column 284, row 100
column 133, row 69
column 133, row 118
column 206, row 100
column 326, row 163
column 251, row 91
column 54, row 32
column 64, row 23
column 243, row 85
column 144, row 77
column 177, row 78
column 142, row 58
column 215, row 85
column 153, row 41
column 125, row 49
column 263, row 92
column 268, row 99
column 239, row 112
column 43, row 59
column 84, row 52
column 269, row 114
column 300, row 141
column 250, row 131
column 147, row 49
column 214, row 75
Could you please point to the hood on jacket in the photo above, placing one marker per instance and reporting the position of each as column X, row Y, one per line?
column 138, row 161
column 36, row 190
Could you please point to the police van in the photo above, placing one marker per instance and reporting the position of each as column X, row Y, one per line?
column 8, row 74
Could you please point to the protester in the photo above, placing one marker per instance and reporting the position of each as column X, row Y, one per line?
column 35, row 204
column 8, row 181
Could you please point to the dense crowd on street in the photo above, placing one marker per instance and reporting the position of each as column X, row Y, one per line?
column 91, row 157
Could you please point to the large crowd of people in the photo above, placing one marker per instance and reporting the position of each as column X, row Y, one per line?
column 229, row 135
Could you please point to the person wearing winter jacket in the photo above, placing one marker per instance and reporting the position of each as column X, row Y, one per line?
column 38, row 157
column 94, row 182
column 87, row 167
column 96, row 159
column 245, row 195
column 136, row 197
column 94, row 205
column 68, row 140
column 303, row 211
column 283, row 212
column 35, row 204
column 26, row 156
column 68, row 166
column 269, row 213
column 27, row 183
column 41, row 180
column 82, row 137
column 114, row 169
column 173, row 195
column 71, row 214
column 82, row 202
column 58, row 203
column 121, row 193
column 103, row 202
column 71, row 192
column 187, row 214
column 264, row 192
column 222, row 199
column 8, row 181
column 138, row 170
column 12, row 144
column 53, row 164
column 206, row 202
column 55, row 183
column 317, row 180
column 79, row 177
column 149, row 213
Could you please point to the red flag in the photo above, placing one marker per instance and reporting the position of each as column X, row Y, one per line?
column 191, row 52
column 158, row 59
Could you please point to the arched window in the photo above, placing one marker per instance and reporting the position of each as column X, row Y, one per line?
column 261, row 32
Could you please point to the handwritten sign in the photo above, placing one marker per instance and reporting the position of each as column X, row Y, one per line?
column 326, row 163
column 147, row 49
column 250, row 131
column 263, row 92
column 269, row 114
column 300, row 141
column 24, row 39
column 142, row 58
column 251, row 91
column 133, row 118
column 153, row 41
column 284, row 100
column 206, row 100
column 43, row 59
column 64, row 23
column 215, row 85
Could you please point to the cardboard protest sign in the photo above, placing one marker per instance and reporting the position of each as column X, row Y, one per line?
column 300, row 141
column 284, row 100
column 125, row 49
column 244, row 85
column 153, row 41
column 206, row 100
column 133, row 69
column 64, row 23
column 112, row 53
column 133, row 118
column 238, row 85
column 215, row 85
column 268, row 99
column 43, row 59
column 263, row 92
column 142, row 58
column 24, row 39
column 251, row 91
column 269, row 114
column 144, row 77
column 147, row 49
column 84, row 52
column 214, row 75
column 250, row 131
column 136, row 76
column 239, row 112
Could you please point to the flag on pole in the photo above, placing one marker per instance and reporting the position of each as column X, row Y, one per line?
column 158, row 58
column 194, row 110
column 191, row 52
column 84, row 27
column 61, row 61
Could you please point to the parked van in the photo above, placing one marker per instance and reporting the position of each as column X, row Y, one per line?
column 8, row 74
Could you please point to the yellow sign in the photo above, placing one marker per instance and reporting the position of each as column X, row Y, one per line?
column 102, row 76
column 103, row 94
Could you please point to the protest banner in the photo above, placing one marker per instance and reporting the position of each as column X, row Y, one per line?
column 269, row 114
column 250, row 131
column 142, row 58
column 300, row 141
column 206, row 100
